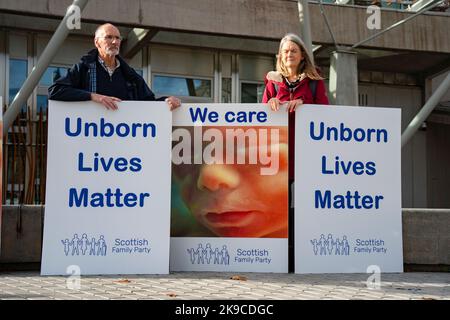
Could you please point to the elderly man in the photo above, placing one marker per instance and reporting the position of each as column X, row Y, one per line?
column 104, row 77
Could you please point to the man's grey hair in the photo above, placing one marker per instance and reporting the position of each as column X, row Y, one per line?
column 100, row 29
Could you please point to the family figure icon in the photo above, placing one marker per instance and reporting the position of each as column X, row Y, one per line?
column 82, row 245
column 207, row 255
column 329, row 246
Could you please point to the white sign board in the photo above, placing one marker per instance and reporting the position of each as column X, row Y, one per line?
column 229, row 188
column 108, row 189
column 347, row 190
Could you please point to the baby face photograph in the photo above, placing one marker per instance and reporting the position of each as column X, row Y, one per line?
column 230, row 182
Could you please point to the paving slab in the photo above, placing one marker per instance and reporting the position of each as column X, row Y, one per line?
column 215, row 285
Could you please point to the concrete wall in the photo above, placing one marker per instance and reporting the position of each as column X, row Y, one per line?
column 438, row 154
column 438, row 151
column 264, row 19
column 426, row 235
column 21, row 234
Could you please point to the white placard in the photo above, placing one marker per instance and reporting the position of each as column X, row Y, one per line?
column 229, row 214
column 108, row 189
column 347, row 190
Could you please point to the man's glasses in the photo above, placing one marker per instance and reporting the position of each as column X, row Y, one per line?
column 111, row 38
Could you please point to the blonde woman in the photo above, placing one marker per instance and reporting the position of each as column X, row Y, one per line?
column 295, row 82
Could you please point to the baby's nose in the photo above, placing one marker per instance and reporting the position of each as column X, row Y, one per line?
column 218, row 176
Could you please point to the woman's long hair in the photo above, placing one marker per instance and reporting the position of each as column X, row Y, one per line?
column 306, row 66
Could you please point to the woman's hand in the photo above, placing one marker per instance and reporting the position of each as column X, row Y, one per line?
column 274, row 104
column 294, row 104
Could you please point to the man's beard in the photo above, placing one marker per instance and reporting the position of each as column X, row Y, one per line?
column 112, row 51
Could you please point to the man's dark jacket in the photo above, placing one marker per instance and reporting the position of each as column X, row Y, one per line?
column 81, row 80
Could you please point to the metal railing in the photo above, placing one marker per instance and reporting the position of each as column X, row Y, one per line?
column 25, row 159
column 406, row 5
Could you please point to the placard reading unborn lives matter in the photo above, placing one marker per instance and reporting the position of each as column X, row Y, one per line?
column 229, row 188
column 108, row 189
column 348, row 190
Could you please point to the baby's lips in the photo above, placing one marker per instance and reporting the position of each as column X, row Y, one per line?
column 231, row 218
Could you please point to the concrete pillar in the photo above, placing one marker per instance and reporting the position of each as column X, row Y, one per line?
column 305, row 25
column 343, row 78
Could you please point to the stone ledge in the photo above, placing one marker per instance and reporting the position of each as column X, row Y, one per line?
column 426, row 235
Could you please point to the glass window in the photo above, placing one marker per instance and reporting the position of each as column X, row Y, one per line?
column 51, row 75
column 17, row 76
column 177, row 86
column 42, row 102
column 226, row 90
column 252, row 92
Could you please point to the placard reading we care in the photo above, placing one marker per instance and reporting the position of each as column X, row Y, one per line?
column 347, row 190
column 229, row 188
column 108, row 189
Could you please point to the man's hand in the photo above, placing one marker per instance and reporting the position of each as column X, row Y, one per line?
column 108, row 102
column 173, row 102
